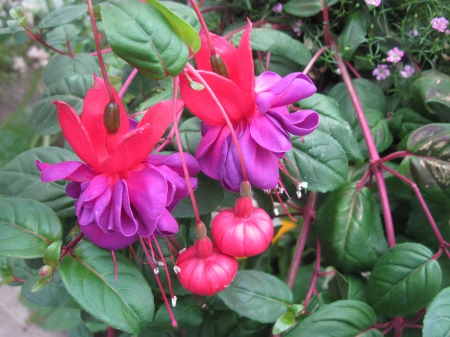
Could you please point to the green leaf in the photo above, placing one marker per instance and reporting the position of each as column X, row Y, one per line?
column 164, row 91
column 89, row 277
column 278, row 64
column 13, row 266
column 52, row 253
column 68, row 89
column 59, row 36
column 429, row 167
column 338, row 319
column 332, row 123
column 151, row 46
column 306, row 8
column 183, row 29
column 257, row 295
column 436, row 322
column 191, row 135
column 208, row 194
column 370, row 96
column 406, row 120
column 372, row 333
column 349, row 226
column 140, row 85
column 62, row 16
column 27, row 227
column 283, row 323
column 278, row 43
column 53, row 295
column 64, row 66
column 379, row 128
column 348, row 287
column 21, row 178
column 403, row 280
column 187, row 312
column 354, row 33
column 320, row 160
column 81, row 330
column 184, row 12
column 430, row 92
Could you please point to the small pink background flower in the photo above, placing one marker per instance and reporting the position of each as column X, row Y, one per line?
column 381, row 72
column 394, row 55
column 278, row 7
column 407, row 71
column 439, row 24
column 375, row 3
column 297, row 26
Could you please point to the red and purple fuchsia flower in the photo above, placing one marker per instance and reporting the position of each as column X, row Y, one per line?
column 257, row 109
column 123, row 192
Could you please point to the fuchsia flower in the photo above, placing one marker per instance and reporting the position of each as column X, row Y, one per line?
column 381, row 72
column 257, row 110
column 394, row 55
column 122, row 191
column 439, row 24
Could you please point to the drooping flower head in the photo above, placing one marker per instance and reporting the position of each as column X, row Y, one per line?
column 394, row 55
column 256, row 108
column 439, row 24
column 381, row 72
column 122, row 192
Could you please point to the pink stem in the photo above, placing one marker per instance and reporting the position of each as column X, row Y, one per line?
column 314, row 276
column 72, row 244
column 352, row 69
column 110, row 331
column 394, row 155
column 230, row 126
column 326, row 23
column 69, row 48
column 204, row 27
column 41, row 41
column 309, row 213
column 233, row 32
column 103, row 51
column 268, row 61
column 127, row 82
column 314, row 59
column 382, row 190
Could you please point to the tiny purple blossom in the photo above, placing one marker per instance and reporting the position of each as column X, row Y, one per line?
column 447, row 31
column 413, row 33
column 439, row 24
column 375, row 3
column 297, row 26
column 278, row 7
column 394, row 55
column 381, row 72
column 407, row 71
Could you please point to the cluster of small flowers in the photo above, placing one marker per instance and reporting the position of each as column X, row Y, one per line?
column 297, row 26
column 381, row 72
column 440, row 24
column 38, row 55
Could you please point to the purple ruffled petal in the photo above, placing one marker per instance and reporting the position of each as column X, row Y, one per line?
column 124, row 219
column 96, row 187
column 73, row 189
column 299, row 123
column 269, row 134
column 266, row 81
column 166, row 225
column 110, row 241
column 174, row 163
column 69, row 170
column 230, row 175
column 91, row 211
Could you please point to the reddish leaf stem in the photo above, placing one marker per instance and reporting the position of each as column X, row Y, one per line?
column 70, row 246
column 314, row 59
column 315, row 274
column 103, row 51
column 352, row 69
column 110, row 331
column 127, row 83
column 41, row 41
column 69, row 48
column 326, row 23
column 394, row 155
column 308, row 214
column 204, row 27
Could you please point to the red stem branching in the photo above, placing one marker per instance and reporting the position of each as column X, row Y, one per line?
column 70, row 246
column 41, row 41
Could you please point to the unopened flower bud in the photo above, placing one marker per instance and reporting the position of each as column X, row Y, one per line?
column 200, row 231
column 16, row 13
column 218, row 65
column 111, row 117
column 46, row 271
column 246, row 189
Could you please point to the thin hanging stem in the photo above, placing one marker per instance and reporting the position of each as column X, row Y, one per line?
column 314, row 59
column 227, row 120
column 127, row 83
column 204, row 27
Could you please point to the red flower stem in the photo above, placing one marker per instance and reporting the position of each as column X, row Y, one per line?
column 291, row 205
column 103, row 51
column 326, row 23
column 284, row 207
column 384, row 199
column 161, row 256
column 110, row 331
column 174, row 322
column 72, row 244
column 308, row 215
column 398, row 323
column 385, row 332
column 235, row 31
column 326, row 273
column 352, row 69
column 363, row 180
column 414, row 326
column 230, row 126
column 425, row 208
column 260, row 59
column 204, row 27
column 180, row 150
column 268, row 61
column 394, row 155
column 314, row 59
column 127, row 83
column 99, row 53
column 41, row 41
column 314, row 276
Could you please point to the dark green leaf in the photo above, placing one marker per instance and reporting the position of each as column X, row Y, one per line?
column 370, row 96
column 354, row 34
column 64, row 66
column 27, row 227
column 81, row 330
column 349, row 227
column 320, row 160
column 89, row 277
column 59, row 36
column 406, row 120
column 338, row 319
column 403, row 280
column 190, row 134
column 257, row 295
column 348, row 287
column 305, row 8
column 71, row 90
column 148, row 45
column 21, row 178
column 332, row 123
column 62, row 16
column 184, row 12
column 187, row 312
column 140, row 85
column 430, row 91
column 379, row 127
column 53, row 295
column 429, row 167
column 436, row 322
column 208, row 194
column 183, row 29
column 303, row 281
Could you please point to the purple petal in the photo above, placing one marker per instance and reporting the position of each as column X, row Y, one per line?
column 299, row 123
column 166, row 225
column 174, row 162
column 148, row 195
column 110, row 241
column 124, row 220
column 231, row 173
column 73, row 189
column 269, row 134
column 266, row 81
column 96, row 187
column 70, row 170
column 90, row 211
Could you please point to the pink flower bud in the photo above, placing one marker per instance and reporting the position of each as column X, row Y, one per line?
column 46, row 271
column 243, row 230
column 204, row 270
